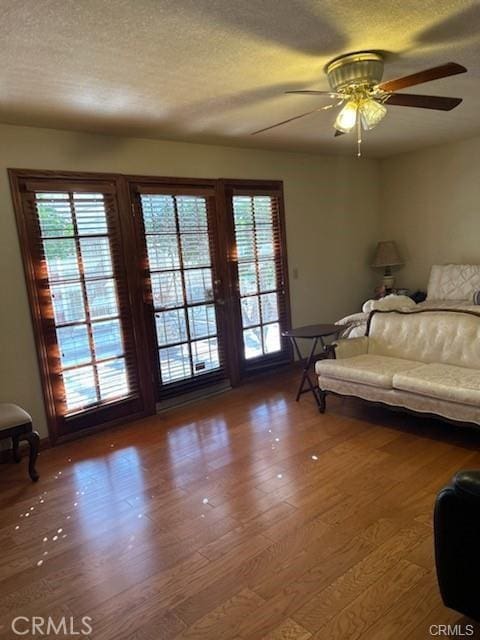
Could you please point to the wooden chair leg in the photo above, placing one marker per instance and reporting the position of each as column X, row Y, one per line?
column 16, row 449
column 33, row 439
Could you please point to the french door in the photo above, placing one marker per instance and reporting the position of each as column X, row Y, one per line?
column 215, row 286
column 259, row 274
column 183, row 285
column 146, row 288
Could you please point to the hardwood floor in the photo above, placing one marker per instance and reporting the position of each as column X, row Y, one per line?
column 244, row 516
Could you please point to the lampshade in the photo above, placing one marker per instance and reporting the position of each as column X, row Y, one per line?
column 371, row 113
column 387, row 255
column 347, row 117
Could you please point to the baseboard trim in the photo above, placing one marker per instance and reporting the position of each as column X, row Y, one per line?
column 193, row 396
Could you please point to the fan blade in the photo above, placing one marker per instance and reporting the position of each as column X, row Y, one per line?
column 279, row 124
column 423, row 102
column 306, row 92
column 443, row 71
column 338, row 133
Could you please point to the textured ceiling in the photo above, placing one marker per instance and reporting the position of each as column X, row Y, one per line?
column 214, row 70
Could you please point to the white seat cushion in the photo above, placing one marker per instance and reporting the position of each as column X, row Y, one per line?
column 443, row 381
column 12, row 416
column 365, row 369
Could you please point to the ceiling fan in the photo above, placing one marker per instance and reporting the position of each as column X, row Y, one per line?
column 355, row 81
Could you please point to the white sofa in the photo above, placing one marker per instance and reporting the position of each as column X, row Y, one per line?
column 427, row 361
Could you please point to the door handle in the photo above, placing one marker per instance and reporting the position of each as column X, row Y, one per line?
column 218, row 299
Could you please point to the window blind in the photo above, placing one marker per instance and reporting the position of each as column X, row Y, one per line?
column 261, row 273
column 83, row 301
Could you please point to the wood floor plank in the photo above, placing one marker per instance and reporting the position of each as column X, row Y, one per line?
column 223, row 621
column 292, row 584
column 288, row 630
column 329, row 602
column 355, row 619
column 421, row 599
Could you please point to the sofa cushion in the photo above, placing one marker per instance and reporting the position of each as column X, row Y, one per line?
column 366, row 369
column 443, row 381
column 427, row 336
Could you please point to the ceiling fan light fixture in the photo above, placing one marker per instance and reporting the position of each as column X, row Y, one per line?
column 356, row 85
column 347, row 117
column 371, row 113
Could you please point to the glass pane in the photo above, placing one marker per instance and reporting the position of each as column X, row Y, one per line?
column 163, row 252
column 247, row 277
column 158, row 213
column 79, row 387
column 96, row 257
column 167, row 289
column 202, row 321
column 175, row 363
column 192, row 213
column 112, row 379
column 271, row 338
column 61, row 258
column 195, row 250
column 198, row 283
column 263, row 209
column 250, row 311
column 264, row 237
column 205, row 355
column 68, row 303
column 90, row 213
column 267, row 275
column 54, row 214
column 107, row 337
column 171, row 326
column 252, row 342
column 245, row 244
column 269, row 302
column 102, row 298
column 73, row 345
column 242, row 210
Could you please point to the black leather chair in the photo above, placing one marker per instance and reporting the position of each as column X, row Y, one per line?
column 457, row 543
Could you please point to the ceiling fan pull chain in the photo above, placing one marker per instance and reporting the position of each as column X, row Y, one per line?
column 359, row 136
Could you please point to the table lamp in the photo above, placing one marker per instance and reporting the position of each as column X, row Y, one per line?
column 386, row 257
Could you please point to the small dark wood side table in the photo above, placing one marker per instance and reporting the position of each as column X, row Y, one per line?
column 316, row 333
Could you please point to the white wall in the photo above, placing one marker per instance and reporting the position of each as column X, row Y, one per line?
column 332, row 207
column 430, row 204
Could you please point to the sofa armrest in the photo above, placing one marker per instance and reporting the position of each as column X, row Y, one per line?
column 349, row 347
column 467, row 484
column 457, row 531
